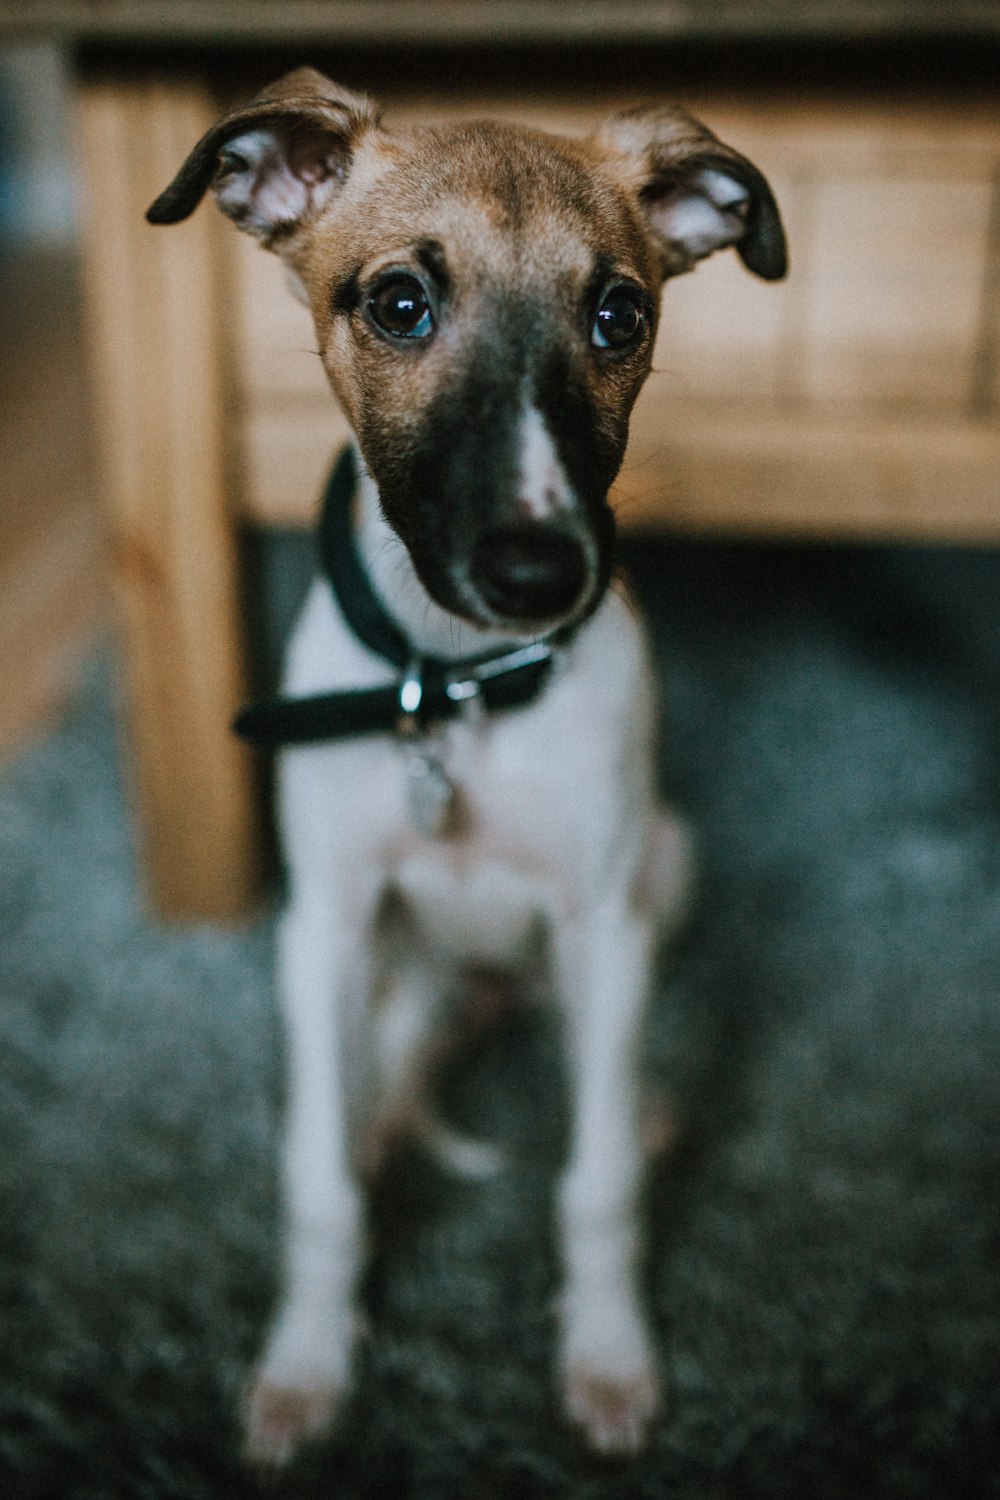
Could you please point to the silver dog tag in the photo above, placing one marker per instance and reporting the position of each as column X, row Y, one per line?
column 430, row 790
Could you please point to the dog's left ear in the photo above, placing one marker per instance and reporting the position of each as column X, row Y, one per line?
column 276, row 161
column 698, row 195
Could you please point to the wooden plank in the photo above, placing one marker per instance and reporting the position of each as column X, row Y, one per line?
column 53, row 594
column 156, row 319
column 458, row 21
column 798, row 476
column 853, row 134
column 897, row 271
column 287, row 453
column 53, row 573
column 984, row 391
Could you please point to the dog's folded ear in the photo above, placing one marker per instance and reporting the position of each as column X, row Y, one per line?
column 698, row 195
column 275, row 161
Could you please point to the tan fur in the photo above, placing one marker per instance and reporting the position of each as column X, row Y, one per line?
column 442, row 185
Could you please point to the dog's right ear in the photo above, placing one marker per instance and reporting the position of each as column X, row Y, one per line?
column 276, row 161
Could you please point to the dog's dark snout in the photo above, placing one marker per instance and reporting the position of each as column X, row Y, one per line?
column 530, row 571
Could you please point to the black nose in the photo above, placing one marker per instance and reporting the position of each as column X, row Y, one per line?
column 528, row 572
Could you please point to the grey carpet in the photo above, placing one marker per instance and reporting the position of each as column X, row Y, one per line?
column 823, row 1248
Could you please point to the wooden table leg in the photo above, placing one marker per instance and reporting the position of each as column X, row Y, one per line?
column 156, row 322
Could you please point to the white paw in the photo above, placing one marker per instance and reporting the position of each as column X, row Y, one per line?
column 614, row 1412
column 611, row 1388
column 282, row 1415
column 298, row 1384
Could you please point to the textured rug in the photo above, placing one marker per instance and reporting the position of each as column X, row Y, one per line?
column 824, row 1246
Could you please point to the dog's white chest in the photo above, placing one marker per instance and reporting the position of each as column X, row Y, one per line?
column 469, row 908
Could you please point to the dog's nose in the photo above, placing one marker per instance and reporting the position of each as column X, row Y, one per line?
column 529, row 571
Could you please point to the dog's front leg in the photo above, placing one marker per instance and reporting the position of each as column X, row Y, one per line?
column 323, row 976
column 602, row 969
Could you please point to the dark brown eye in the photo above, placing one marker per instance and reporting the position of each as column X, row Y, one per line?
column 400, row 307
column 620, row 321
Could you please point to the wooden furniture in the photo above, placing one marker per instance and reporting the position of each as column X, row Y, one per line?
column 53, row 586
column 857, row 401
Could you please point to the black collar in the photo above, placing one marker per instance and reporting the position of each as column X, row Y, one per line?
column 430, row 688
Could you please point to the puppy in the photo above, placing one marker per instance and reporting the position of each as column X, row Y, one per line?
column 467, row 778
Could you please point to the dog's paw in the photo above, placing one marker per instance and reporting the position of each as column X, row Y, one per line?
column 610, row 1384
column 283, row 1414
column 614, row 1413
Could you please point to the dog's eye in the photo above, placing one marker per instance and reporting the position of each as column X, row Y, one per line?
column 620, row 321
column 400, row 307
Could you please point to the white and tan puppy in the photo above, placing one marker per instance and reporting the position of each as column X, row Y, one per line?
column 485, row 300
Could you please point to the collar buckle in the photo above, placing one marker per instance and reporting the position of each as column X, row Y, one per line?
column 409, row 725
column 460, row 687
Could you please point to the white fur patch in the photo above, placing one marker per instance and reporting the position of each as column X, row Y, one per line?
column 259, row 190
column 263, row 189
column 706, row 214
column 544, row 488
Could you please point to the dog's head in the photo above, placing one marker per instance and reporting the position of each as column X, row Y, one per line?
column 486, row 299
